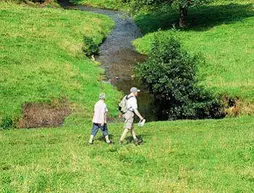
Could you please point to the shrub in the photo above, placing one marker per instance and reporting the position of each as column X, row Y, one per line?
column 90, row 47
column 6, row 123
column 170, row 74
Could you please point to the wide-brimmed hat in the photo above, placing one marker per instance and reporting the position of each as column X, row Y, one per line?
column 134, row 89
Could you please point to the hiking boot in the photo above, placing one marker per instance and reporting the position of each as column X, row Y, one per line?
column 137, row 141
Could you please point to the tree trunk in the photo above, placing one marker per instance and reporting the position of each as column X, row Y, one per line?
column 183, row 16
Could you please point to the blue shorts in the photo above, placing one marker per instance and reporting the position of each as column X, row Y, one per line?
column 96, row 128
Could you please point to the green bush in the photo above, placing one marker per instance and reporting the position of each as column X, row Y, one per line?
column 90, row 47
column 6, row 123
column 170, row 74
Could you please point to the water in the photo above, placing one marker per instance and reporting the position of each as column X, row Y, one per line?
column 118, row 57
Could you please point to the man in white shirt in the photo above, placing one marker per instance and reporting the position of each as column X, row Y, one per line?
column 100, row 119
column 132, row 107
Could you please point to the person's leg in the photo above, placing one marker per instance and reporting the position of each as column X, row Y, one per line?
column 129, row 118
column 104, row 130
column 133, row 133
column 94, row 132
column 136, row 140
column 124, row 135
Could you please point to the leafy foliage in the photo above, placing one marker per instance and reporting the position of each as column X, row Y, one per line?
column 170, row 75
column 90, row 47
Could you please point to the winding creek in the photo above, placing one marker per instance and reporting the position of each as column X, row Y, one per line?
column 118, row 57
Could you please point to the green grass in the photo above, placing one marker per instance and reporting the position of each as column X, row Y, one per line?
column 41, row 59
column 109, row 4
column 222, row 32
column 181, row 156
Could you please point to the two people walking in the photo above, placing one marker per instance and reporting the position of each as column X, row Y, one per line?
column 129, row 107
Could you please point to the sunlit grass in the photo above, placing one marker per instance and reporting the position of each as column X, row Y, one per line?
column 181, row 156
column 41, row 58
column 109, row 4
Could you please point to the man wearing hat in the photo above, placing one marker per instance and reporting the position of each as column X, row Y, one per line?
column 100, row 119
column 132, row 107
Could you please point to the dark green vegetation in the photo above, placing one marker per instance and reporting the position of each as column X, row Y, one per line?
column 180, row 156
column 222, row 32
column 170, row 73
column 41, row 60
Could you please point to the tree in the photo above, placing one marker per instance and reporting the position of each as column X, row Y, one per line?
column 182, row 6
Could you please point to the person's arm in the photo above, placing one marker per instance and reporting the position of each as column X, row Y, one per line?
column 134, row 106
column 138, row 114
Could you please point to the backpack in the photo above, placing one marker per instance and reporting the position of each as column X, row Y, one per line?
column 122, row 107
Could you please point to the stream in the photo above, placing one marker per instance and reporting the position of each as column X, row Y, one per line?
column 118, row 56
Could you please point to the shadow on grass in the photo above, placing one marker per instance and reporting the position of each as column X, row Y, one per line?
column 199, row 18
column 128, row 139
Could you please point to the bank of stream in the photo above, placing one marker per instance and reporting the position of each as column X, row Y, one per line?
column 118, row 56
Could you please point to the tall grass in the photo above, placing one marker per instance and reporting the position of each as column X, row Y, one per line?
column 41, row 58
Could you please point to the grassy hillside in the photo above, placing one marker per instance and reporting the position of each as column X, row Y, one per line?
column 222, row 32
column 41, row 58
column 181, row 156
column 109, row 4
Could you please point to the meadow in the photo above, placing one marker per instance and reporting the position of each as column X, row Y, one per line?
column 180, row 156
column 221, row 32
column 42, row 59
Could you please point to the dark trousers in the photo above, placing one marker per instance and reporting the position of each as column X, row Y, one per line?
column 96, row 128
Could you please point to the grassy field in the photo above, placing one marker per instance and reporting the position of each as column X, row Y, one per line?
column 222, row 32
column 181, row 156
column 41, row 59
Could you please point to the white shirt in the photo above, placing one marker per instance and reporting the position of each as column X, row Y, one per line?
column 132, row 102
column 100, row 110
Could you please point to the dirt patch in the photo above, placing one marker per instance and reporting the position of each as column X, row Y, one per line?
column 43, row 115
